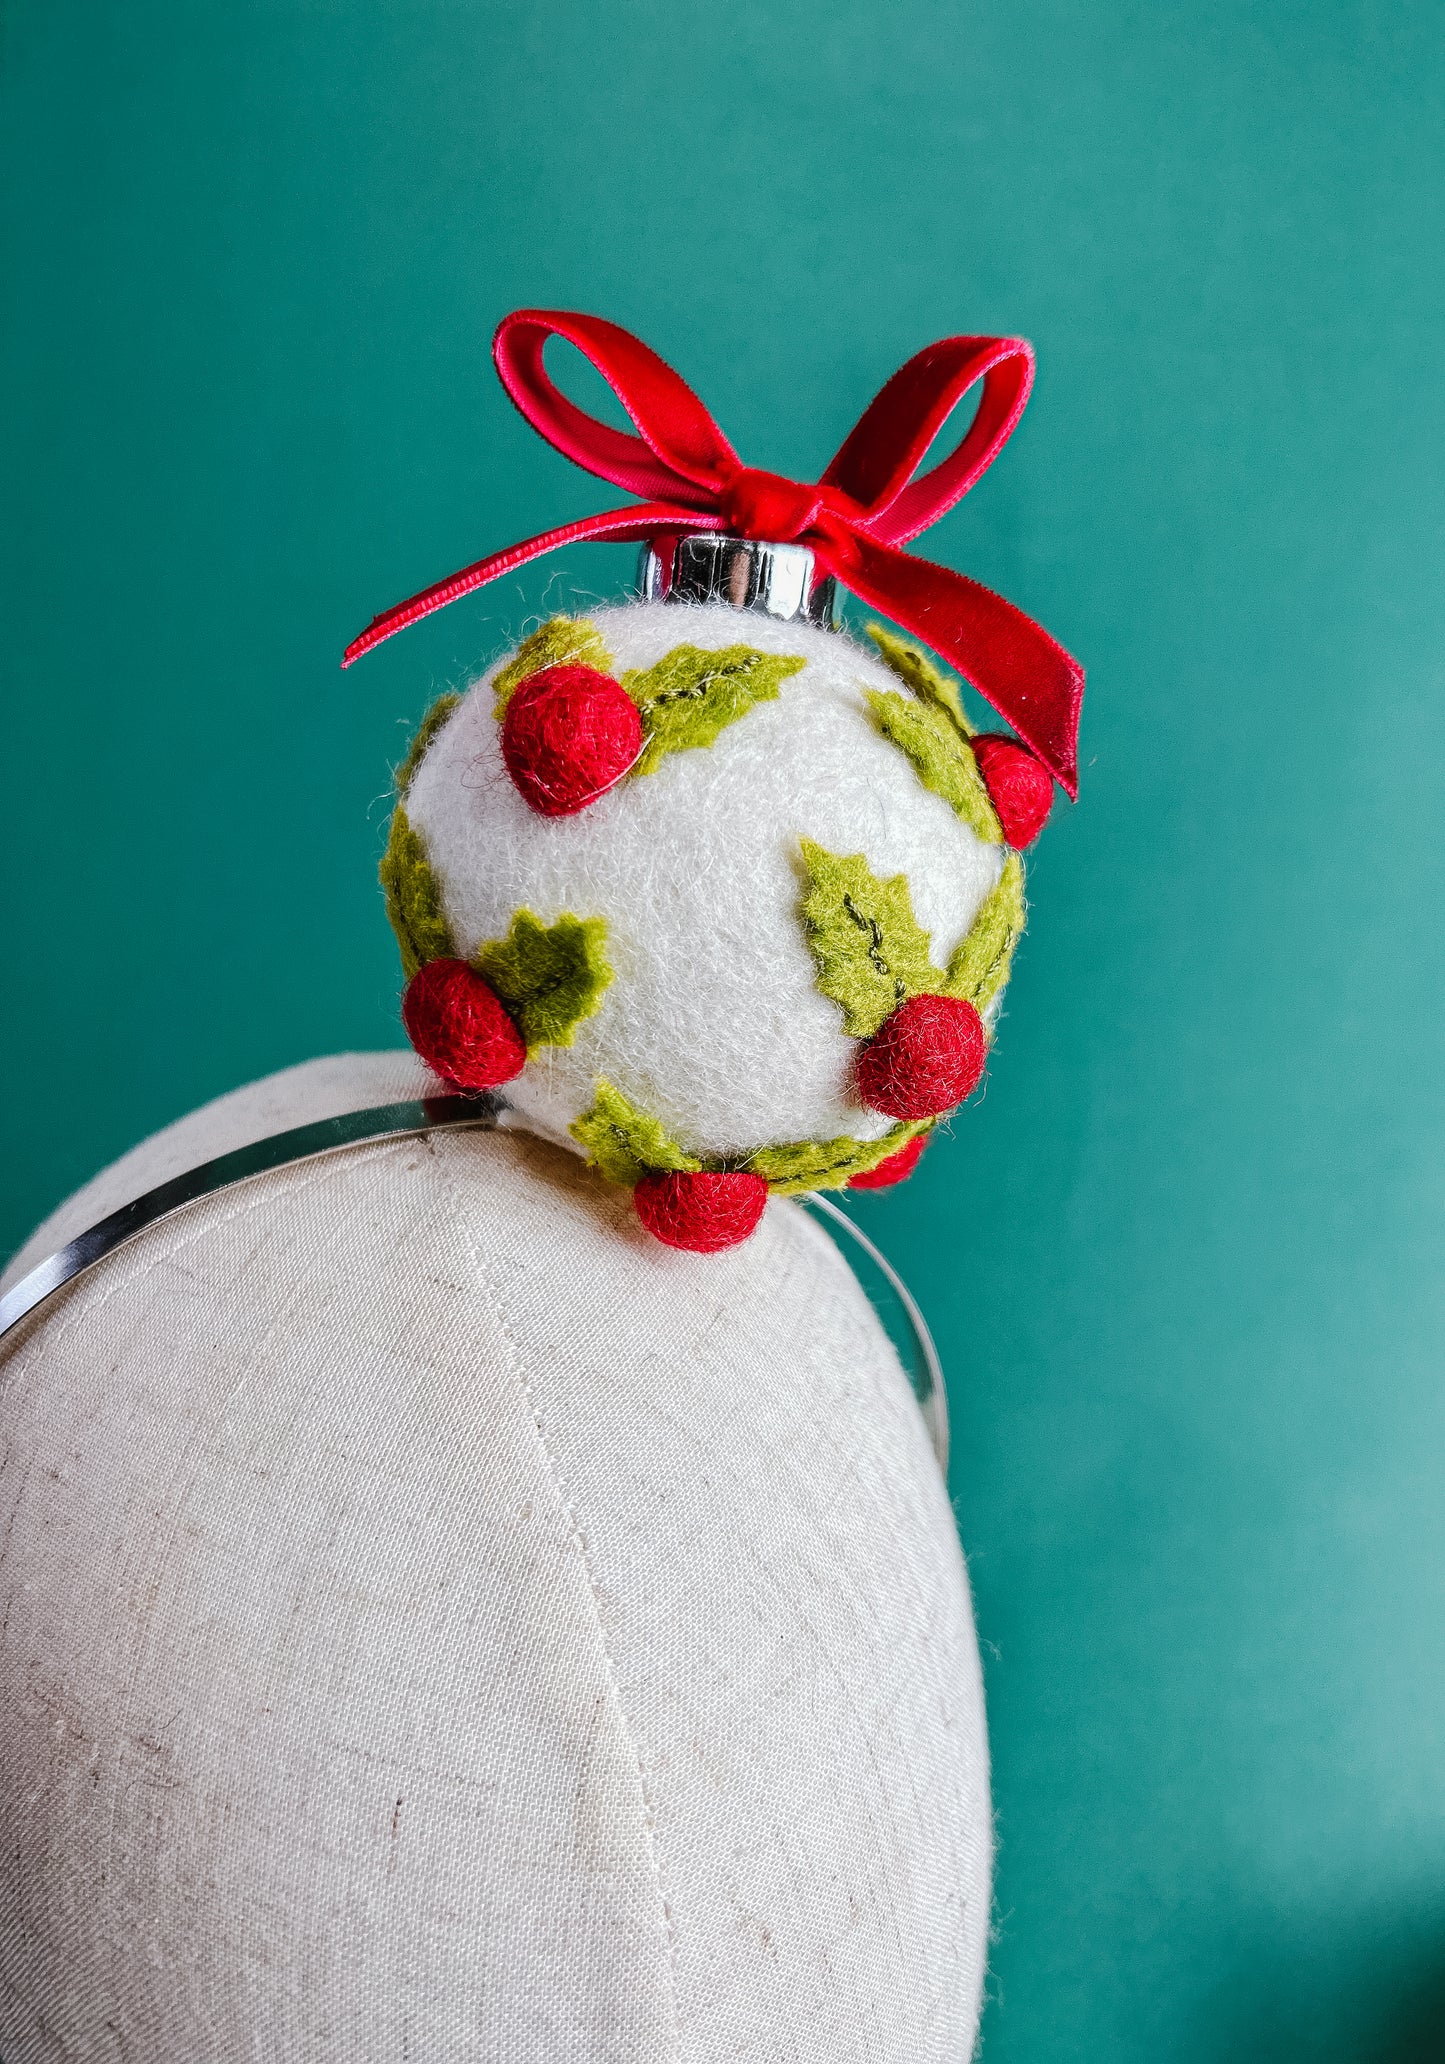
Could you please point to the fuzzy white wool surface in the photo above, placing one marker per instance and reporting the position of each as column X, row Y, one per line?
column 714, row 1022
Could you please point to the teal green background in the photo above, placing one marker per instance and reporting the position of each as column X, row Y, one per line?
column 1185, row 1259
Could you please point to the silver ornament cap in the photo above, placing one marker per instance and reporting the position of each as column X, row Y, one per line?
column 780, row 581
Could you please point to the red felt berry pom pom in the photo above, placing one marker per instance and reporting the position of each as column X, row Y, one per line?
column 570, row 734
column 1021, row 789
column 702, row 1211
column 895, row 1169
column 457, row 1024
column 924, row 1059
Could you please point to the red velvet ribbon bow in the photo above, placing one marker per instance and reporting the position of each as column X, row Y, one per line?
column 853, row 520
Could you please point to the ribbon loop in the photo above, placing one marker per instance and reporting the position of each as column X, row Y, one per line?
column 681, row 447
column 854, row 519
column 891, row 438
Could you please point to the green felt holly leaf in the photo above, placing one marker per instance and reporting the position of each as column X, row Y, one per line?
column 691, row 696
column 917, row 671
column 623, row 1143
column 427, row 730
column 828, row 1164
column 980, row 965
column 871, row 951
column 550, row 976
column 413, row 898
column 564, row 639
column 942, row 755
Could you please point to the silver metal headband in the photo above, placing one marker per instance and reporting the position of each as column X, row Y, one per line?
column 780, row 581
column 908, row 1330
column 279, row 1150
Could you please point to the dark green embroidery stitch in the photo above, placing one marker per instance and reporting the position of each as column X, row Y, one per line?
column 942, row 755
column 690, row 697
column 624, row 1143
column 427, row 730
column 550, row 977
column 564, row 638
column 980, row 966
column 870, row 949
column 413, row 898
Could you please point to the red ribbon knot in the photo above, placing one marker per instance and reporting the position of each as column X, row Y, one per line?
column 855, row 520
column 755, row 504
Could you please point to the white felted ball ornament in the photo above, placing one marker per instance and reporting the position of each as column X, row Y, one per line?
column 696, row 958
column 477, row 1586
column 715, row 892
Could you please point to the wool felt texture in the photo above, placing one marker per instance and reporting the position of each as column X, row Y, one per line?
column 426, row 731
column 1018, row 791
column 872, row 954
column 979, row 966
column 896, row 1169
column 853, row 520
column 802, row 1165
column 550, row 977
column 459, row 1026
column 920, row 676
column 713, row 1023
column 871, row 951
column 692, row 694
column 569, row 734
column 924, row 1059
column 701, row 1211
column 943, row 758
column 387, row 1669
column 561, row 641
column 1019, row 787
column 413, row 897
column 627, row 1144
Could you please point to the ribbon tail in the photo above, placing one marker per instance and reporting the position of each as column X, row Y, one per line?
column 641, row 520
column 1014, row 664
